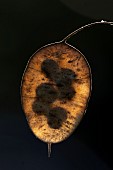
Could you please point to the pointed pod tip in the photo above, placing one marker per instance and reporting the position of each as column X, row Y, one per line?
column 49, row 150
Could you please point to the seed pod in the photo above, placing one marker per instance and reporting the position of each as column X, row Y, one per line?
column 55, row 90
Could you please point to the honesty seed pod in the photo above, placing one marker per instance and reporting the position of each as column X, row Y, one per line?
column 55, row 90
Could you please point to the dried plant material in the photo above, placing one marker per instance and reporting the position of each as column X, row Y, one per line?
column 55, row 90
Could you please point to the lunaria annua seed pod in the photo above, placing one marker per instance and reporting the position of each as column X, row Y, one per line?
column 55, row 90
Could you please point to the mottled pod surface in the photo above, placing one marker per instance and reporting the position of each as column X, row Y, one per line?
column 55, row 90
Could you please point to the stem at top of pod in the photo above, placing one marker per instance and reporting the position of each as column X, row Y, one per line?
column 85, row 26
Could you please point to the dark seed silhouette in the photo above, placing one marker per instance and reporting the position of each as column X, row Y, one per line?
column 56, row 117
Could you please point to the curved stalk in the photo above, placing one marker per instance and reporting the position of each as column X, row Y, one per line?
column 85, row 26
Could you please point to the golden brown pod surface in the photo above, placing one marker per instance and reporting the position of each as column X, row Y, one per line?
column 55, row 90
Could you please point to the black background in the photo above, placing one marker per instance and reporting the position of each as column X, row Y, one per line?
column 26, row 26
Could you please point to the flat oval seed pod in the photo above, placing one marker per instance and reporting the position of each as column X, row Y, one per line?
column 55, row 90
